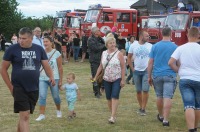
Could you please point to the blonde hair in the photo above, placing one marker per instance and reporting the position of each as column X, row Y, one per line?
column 110, row 35
column 109, row 39
column 71, row 74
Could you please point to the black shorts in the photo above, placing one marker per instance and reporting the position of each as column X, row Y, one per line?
column 23, row 100
column 84, row 49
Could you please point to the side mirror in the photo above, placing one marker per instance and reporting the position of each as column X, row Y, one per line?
column 158, row 23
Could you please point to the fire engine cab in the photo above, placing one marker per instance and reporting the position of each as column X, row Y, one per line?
column 154, row 26
column 70, row 20
column 105, row 17
column 180, row 22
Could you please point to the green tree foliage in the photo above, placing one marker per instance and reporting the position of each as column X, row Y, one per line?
column 11, row 20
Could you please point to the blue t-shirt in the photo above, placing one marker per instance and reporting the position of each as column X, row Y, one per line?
column 161, row 53
column 196, row 24
column 71, row 93
column 26, row 63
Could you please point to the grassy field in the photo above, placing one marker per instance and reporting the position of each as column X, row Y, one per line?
column 92, row 113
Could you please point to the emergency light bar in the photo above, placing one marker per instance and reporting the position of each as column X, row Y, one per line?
column 95, row 6
column 66, row 11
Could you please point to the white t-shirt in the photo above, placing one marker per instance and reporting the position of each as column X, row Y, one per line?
column 189, row 57
column 140, row 55
column 180, row 4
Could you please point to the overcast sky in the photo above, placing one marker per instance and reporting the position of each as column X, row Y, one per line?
column 39, row 8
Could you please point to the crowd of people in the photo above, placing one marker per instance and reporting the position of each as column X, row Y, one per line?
column 42, row 57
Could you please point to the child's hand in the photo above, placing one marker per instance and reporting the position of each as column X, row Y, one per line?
column 61, row 88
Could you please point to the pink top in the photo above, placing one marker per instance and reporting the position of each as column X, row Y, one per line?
column 114, row 29
column 113, row 69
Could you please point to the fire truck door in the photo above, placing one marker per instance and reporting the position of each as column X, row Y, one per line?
column 105, row 22
column 124, row 23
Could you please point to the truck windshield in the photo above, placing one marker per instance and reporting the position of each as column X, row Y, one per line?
column 177, row 21
column 91, row 15
column 75, row 23
column 153, row 22
column 59, row 21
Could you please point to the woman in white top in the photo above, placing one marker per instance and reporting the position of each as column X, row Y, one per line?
column 55, row 62
column 114, row 75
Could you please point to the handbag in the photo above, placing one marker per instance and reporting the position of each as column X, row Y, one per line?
column 99, row 78
column 48, row 60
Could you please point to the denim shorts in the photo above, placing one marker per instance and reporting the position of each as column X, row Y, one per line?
column 141, row 81
column 165, row 86
column 112, row 89
column 43, row 92
column 190, row 92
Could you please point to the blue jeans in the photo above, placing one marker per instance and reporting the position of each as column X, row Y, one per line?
column 43, row 88
column 76, row 52
column 141, row 81
column 190, row 92
column 164, row 86
column 112, row 89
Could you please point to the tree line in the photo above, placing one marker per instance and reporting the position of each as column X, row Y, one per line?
column 11, row 20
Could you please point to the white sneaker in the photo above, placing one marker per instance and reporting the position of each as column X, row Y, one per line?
column 41, row 117
column 59, row 114
column 112, row 120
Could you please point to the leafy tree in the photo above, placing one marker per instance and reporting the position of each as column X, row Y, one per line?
column 9, row 15
column 12, row 20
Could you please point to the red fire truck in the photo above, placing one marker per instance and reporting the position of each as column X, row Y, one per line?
column 154, row 26
column 105, row 17
column 69, row 20
column 180, row 22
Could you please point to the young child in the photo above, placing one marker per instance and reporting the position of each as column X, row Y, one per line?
column 72, row 92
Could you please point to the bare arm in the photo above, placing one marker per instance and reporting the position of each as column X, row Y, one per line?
column 129, row 60
column 149, row 69
column 122, row 64
column 55, row 40
column 78, row 94
column 48, row 71
column 60, row 70
column 173, row 64
column 4, row 73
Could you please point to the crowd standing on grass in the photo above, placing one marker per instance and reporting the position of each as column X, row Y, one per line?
column 35, row 49
column 26, row 59
column 161, row 76
column 55, row 62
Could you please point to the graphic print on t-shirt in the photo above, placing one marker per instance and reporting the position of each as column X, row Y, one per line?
column 28, row 57
column 142, row 52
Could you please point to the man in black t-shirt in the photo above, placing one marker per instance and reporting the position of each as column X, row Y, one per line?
column 58, row 40
column 26, row 59
column 65, row 39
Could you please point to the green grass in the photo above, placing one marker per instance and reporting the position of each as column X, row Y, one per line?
column 92, row 113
